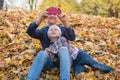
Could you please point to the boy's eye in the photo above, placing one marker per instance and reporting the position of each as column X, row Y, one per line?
column 51, row 29
column 55, row 29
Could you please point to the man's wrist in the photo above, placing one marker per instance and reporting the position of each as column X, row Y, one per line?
column 38, row 21
column 66, row 24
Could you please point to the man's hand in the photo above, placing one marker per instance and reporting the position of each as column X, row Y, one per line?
column 42, row 17
column 63, row 19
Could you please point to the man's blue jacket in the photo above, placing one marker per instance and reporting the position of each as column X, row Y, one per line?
column 41, row 34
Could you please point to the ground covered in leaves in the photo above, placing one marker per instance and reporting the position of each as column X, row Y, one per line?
column 98, row 36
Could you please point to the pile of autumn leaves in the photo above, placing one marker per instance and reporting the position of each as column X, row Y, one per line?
column 98, row 36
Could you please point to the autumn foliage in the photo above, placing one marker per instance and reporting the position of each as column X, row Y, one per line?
column 98, row 36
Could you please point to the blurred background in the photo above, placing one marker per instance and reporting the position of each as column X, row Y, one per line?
column 106, row 8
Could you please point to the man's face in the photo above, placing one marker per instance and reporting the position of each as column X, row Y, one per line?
column 54, row 32
column 52, row 19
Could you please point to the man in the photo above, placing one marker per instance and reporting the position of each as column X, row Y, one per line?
column 42, row 61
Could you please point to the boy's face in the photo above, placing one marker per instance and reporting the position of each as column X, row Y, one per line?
column 54, row 32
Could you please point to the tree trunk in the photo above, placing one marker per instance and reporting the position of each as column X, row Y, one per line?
column 116, row 13
column 31, row 4
column 1, row 4
column 110, row 11
column 37, row 3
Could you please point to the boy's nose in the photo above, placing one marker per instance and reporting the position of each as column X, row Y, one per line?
column 53, row 30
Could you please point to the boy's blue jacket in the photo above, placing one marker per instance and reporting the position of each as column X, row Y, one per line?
column 41, row 34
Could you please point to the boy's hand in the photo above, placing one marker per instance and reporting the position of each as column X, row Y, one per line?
column 63, row 19
column 42, row 17
column 48, row 51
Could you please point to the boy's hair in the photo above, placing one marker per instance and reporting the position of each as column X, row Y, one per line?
column 57, row 28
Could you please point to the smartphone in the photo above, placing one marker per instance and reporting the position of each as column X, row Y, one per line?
column 53, row 11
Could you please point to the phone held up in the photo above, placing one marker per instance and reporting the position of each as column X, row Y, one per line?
column 53, row 11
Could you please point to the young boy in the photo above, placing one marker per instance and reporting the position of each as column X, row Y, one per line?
column 58, row 41
column 79, row 57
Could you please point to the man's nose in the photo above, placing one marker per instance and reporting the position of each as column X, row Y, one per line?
column 52, row 15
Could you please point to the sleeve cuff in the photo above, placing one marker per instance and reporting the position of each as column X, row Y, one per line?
column 33, row 25
column 69, row 29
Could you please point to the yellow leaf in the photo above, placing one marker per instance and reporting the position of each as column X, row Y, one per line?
column 21, row 60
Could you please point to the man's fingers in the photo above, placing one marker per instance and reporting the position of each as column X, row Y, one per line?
column 62, row 15
column 44, row 13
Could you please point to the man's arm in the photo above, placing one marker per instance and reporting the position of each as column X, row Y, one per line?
column 69, row 34
column 32, row 28
column 33, row 32
column 68, row 31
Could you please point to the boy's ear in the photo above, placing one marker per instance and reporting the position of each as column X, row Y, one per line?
column 60, row 33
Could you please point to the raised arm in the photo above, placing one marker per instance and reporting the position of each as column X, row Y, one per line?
column 68, row 31
column 69, row 34
column 32, row 28
column 33, row 32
